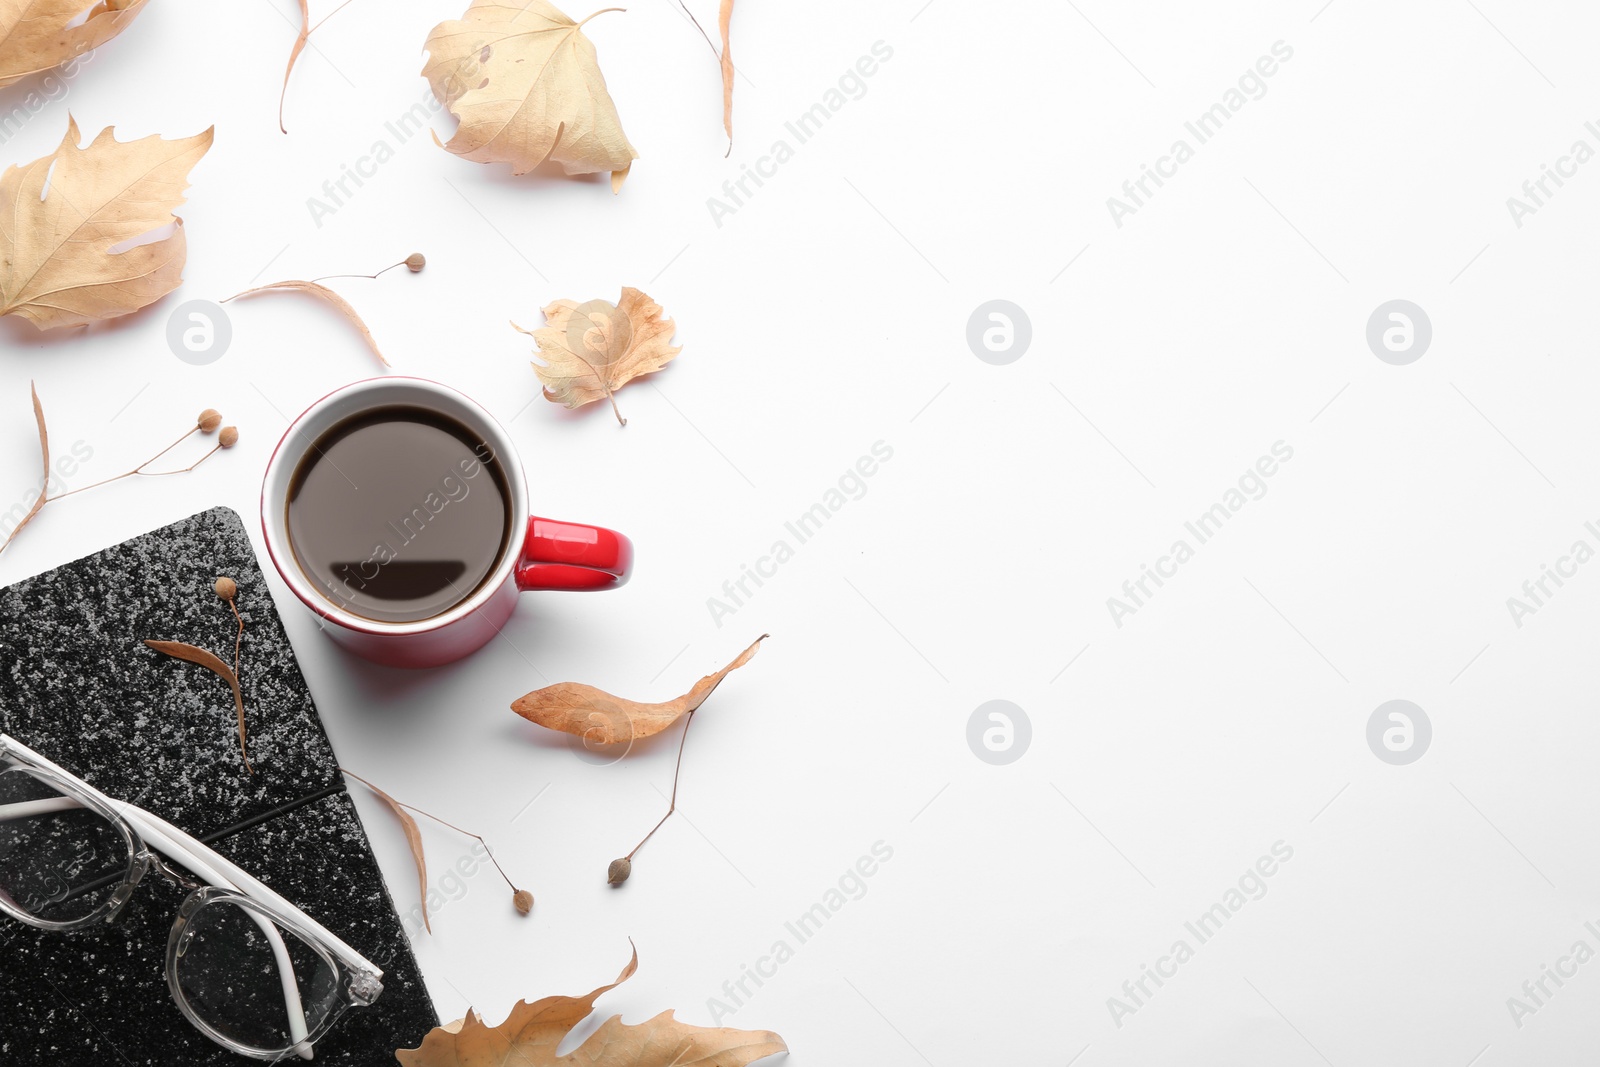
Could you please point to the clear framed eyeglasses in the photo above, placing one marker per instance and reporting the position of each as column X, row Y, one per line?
column 250, row 970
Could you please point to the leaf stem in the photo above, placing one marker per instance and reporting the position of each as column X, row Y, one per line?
column 602, row 11
column 140, row 469
column 441, row 822
column 95, row 485
column 162, row 474
column 385, row 270
column 328, row 16
column 238, row 638
column 677, row 771
column 709, row 43
column 605, row 387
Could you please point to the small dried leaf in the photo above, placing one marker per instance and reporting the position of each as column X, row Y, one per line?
column 591, row 350
column 533, row 1031
column 571, row 707
column 724, row 22
column 294, row 54
column 199, row 656
column 323, row 292
column 44, row 487
column 413, row 838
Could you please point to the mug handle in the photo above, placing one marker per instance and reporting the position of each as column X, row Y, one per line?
column 571, row 555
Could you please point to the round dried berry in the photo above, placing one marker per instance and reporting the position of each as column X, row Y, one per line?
column 226, row 588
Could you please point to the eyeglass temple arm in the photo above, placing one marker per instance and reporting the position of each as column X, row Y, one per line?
column 186, row 848
column 216, row 870
column 203, row 860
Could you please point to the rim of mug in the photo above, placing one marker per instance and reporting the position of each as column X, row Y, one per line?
column 277, row 537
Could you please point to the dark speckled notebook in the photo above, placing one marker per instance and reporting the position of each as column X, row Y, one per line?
column 77, row 685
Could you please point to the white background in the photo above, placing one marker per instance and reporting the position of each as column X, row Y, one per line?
column 828, row 313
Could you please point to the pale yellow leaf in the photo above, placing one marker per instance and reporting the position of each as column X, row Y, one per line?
column 533, row 1031
column 37, row 35
column 526, row 86
column 602, row 719
column 57, row 267
column 593, row 349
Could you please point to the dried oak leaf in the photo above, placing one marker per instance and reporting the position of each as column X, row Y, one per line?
column 526, row 86
column 600, row 718
column 532, row 1032
column 593, row 349
column 57, row 264
column 37, row 35
column 200, row 657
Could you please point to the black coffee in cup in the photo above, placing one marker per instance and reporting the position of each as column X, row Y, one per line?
column 399, row 513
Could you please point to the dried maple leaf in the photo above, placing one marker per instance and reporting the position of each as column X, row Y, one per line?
column 200, row 657
column 526, row 86
column 591, row 350
column 532, row 1032
column 36, row 35
column 600, row 718
column 57, row 265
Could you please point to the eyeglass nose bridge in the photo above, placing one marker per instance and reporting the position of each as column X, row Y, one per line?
column 170, row 873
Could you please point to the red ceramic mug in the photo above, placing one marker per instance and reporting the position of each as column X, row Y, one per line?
column 549, row 555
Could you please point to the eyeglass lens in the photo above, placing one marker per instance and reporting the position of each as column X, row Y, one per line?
column 229, row 973
column 55, row 856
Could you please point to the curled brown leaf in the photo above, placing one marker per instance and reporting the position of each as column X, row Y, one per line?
column 413, row 838
column 323, row 293
column 591, row 713
column 199, row 656
column 294, row 54
column 724, row 23
column 533, row 1032
column 44, row 449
